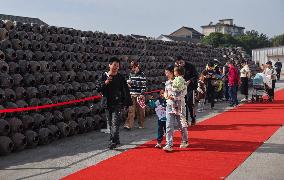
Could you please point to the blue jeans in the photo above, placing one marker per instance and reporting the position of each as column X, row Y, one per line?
column 226, row 90
column 114, row 119
column 161, row 130
column 170, row 127
column 233, row 95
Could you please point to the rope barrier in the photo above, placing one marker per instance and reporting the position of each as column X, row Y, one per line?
column 49, row 105
column 31, row 108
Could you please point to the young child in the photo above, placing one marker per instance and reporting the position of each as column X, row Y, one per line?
column 159, row 105
column 201, row 93
column 179, row 85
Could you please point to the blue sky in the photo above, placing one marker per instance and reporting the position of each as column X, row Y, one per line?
column 151, row 17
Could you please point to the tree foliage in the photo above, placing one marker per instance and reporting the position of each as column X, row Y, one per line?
column 250, row 40
column 278, row 40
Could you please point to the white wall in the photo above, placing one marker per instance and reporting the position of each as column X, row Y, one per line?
column 163, row 38
column 206, row 31
column 268, row 54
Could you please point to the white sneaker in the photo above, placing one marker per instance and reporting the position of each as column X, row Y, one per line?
column 184, row 145
column 168, row 148
column 244, row 100
column 107, row 131
column 158, row 145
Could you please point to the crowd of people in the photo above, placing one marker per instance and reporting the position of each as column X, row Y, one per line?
column 184, row 91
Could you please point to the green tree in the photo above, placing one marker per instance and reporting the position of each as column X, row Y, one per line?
column 229, row 41
column 219, row 40
column 214, row 39
column 252, row 40
column 278, row 40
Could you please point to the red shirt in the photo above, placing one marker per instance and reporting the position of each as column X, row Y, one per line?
column 233, row 75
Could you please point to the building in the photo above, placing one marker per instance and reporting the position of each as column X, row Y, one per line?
column 139, row 37
column 178, row 39
column 261, row 56
column 22, row 19
column 185, row 34
column 224, row 26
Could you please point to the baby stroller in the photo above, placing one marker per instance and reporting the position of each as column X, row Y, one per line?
column 258, row 88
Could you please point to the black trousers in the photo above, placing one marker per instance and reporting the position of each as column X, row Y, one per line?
column 226, row 90
column 211, row 95
column 244, row 86
column 114, row 120
column 278, row 74
column 190, row 106
column 270, row 92
column 161, row 130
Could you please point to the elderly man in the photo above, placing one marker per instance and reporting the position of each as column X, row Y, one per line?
column 191, row 77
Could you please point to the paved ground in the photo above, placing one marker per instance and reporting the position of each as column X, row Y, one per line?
column 267, row 161
column 74, row 153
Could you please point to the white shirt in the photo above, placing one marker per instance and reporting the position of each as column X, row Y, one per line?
column 270, row 73
column 169, row 90
column 245, row 71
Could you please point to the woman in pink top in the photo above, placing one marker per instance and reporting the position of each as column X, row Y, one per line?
column 234, row 80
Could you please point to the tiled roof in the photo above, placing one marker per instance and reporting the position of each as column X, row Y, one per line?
column 22, row 19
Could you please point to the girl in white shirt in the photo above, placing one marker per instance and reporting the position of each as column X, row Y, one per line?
column 245, row 75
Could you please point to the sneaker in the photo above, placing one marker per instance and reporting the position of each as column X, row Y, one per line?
column 117, row 142
column 168, row 148
column 158, row 145
column 244, row 100
column 112, row 145
column 127, row 128
column 107, row 131
column 141, row 127
column 184, row 145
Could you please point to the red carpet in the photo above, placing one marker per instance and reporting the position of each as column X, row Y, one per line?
column 217, row 147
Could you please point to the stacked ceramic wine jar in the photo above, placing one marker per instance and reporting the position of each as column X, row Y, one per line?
column 45, row 65
column 42, row 65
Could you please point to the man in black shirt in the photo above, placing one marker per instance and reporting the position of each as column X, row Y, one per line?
column 191, row 77
column 278, row 67
column 226, row 81
column 210, row 77
column 114, row 88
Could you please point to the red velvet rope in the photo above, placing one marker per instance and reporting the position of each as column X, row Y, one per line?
column 11, row 110
column 151, row 92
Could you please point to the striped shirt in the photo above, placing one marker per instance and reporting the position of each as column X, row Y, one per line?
column 137, row 83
